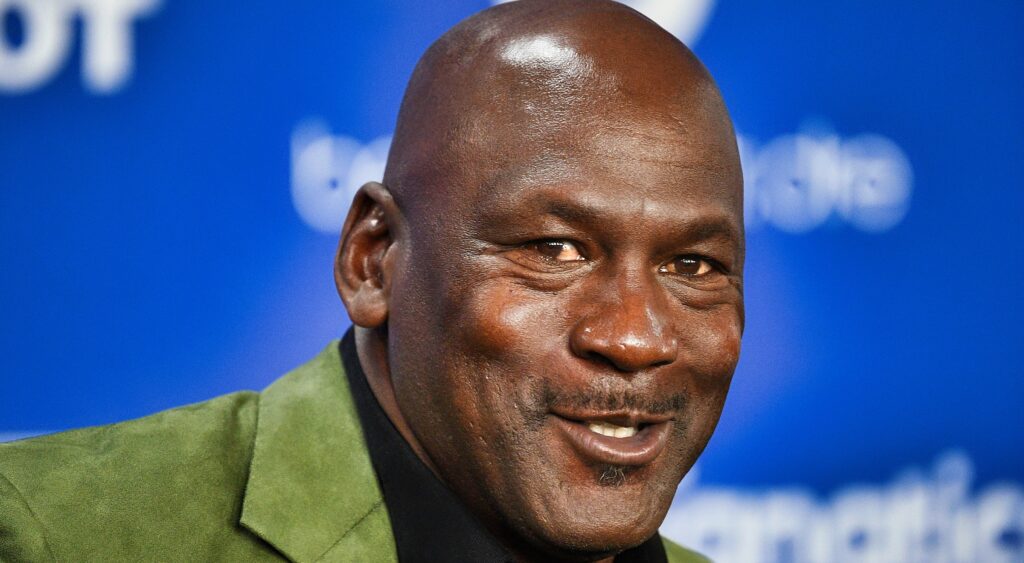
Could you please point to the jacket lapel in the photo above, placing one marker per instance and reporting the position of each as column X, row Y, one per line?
column 312, row 492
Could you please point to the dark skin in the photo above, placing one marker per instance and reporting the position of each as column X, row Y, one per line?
column 558, row 240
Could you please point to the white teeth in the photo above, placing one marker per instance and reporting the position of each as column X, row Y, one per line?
column 613, row 430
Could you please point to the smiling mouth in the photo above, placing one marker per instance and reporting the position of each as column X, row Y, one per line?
column 623, row 440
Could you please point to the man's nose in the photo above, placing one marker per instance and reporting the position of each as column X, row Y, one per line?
column 629, row 328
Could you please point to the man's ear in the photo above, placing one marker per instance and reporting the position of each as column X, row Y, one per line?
column 362, row 271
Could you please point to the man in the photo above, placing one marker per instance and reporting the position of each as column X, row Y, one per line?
column 546, row 292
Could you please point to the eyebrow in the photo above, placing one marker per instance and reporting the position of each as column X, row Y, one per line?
column 571, row 213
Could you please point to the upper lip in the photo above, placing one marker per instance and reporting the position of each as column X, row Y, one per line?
column 618, row 418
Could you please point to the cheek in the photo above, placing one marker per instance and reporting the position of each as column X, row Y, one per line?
column 508, row 340
column 711, row 350
column 509, row 324
column 712, row 346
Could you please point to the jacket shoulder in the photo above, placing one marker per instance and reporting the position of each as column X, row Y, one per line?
column 679, row 554
column 95, row 492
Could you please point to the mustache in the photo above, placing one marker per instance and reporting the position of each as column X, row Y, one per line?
column 613, row 400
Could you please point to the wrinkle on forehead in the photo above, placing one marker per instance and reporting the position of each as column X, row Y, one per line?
column 567, row 182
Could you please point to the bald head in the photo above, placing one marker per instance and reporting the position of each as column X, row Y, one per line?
column 525, row 71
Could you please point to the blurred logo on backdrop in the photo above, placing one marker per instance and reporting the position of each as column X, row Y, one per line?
column 327, row 170
column 799, row 182
column 683, row 18
column 36, row 38
column 920, row 517
column 794, row 183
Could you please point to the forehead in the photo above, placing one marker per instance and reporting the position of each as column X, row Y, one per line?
column 612, row 162
column 551, row 110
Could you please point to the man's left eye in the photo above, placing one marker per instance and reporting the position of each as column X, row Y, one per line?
column 559, row 250
column 689, row 266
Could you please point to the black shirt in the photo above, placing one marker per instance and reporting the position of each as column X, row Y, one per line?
column 429, row 522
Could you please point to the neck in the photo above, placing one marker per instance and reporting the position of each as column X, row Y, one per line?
column 372, row 349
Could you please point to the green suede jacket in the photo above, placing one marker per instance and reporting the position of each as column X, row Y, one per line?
column 278, row 475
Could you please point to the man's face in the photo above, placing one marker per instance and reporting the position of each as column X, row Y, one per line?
column 565, row 316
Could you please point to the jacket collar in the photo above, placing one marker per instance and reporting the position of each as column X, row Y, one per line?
column 312, row 492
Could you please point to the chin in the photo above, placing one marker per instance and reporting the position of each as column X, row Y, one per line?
column 613, row 509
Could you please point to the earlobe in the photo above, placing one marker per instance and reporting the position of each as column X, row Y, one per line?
column 361, row 270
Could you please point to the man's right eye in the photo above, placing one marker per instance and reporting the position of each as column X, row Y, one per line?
column 558, row 250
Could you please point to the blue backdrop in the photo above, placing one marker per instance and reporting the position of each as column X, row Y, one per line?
column 173, row 175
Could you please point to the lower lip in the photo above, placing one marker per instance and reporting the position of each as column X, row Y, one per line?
column 639, row 449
